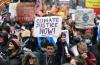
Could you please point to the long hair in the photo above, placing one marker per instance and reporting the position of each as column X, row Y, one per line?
column 25, row 60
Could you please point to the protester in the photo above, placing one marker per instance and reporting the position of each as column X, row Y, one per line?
column 92, row 47
column 50, row 55
column 62, row 48
column 14, row 53
column 85, row 54
column 19, row 20
column 30, row 59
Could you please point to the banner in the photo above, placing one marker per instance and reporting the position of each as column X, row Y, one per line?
column 25, row 12
column 47, row 26
column 12, row 9
column 3, row 2
column 84, row 18
column 93, row 3
column 97, row 11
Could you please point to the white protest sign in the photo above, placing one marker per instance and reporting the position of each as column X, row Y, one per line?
column 47, row 26
column 12, row 9
column 84, row 18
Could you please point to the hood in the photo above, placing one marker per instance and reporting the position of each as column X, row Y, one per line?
column 27, row 56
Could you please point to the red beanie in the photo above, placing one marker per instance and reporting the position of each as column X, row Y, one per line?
column 17, row 42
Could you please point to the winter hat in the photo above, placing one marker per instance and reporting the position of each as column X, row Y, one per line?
column 31, row 54
column 87, row 36
column 15, row 42
column 63, row 34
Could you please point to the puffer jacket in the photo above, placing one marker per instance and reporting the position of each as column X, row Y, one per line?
column 15, row 59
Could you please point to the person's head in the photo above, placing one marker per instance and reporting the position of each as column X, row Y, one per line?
column 6, row 29
column 13, row 44
column 50, row 49
column 77, row 61
column 87, row 38
column 30, row 59
column 3, row 38
column 82, row 48
column 63, row 37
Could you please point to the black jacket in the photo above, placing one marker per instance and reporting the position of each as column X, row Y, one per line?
column 61, row 46
column 2, row 62
column 3, row 45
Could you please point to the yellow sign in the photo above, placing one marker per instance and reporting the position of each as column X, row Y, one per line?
column 93, row 3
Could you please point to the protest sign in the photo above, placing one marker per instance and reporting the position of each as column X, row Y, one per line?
column 84, row 18
column 47, row 26
column 3, row 2
column 93, row 3
column 12, row 9
column 25, row 12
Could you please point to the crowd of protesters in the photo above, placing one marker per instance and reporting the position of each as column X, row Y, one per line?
column 18, row 46
column 15, row 49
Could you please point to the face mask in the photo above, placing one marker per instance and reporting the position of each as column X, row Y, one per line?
column 87, row 41
column 65, row 25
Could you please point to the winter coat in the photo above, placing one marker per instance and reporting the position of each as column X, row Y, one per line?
column 91, row 59
column 51, row 60
column 2, row 62
column 61, row 52
column 3, row 49
column 15, row 59
column 3, row 45
column 32, row 44
column 61, row 46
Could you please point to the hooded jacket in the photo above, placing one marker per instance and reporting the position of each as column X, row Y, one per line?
column 15, row 59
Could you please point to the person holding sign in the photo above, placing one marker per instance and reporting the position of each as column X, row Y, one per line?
column 62, row 50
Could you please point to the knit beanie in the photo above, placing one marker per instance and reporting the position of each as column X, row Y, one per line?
column 15, row 42
column 63, row 34
column 87, row 36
